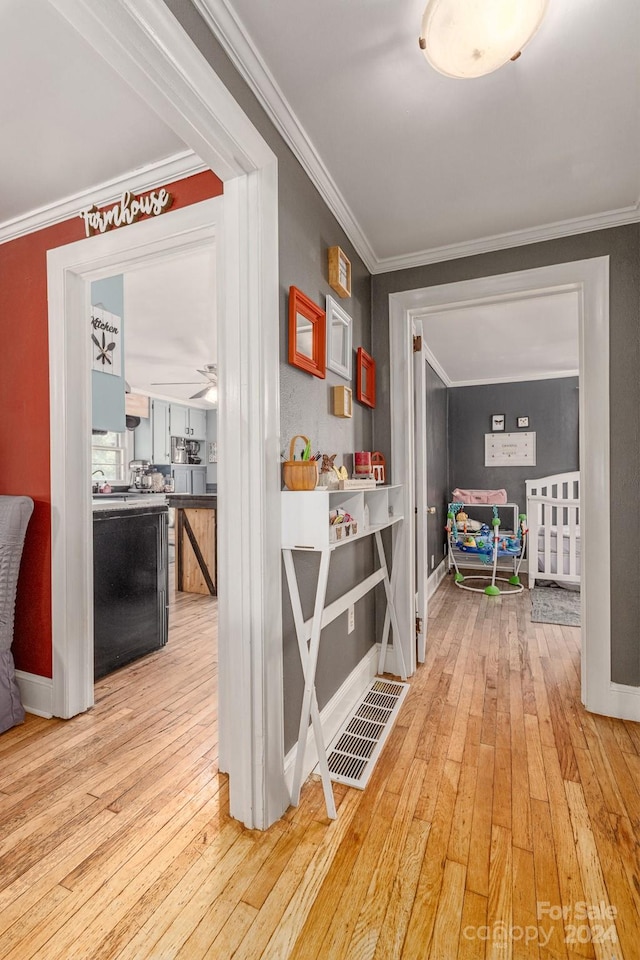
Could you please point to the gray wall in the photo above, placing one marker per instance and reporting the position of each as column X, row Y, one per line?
column 552, row 408
column 306, row 230
column 437, row 465
column 622, row 246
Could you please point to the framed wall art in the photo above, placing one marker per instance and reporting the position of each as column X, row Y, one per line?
column 339, row 272
column 365, row 378
column 339, row 335
column 307, row 334
column 342, row 402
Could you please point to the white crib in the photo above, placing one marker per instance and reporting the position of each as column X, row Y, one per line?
column 553, row 518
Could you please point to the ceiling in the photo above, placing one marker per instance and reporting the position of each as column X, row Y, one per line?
column 170, row 325
column 70, row 123
column 420, row 167
column 504, row 341
column 417, row 167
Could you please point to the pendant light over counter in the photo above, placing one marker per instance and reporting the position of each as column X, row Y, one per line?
column 470, row 38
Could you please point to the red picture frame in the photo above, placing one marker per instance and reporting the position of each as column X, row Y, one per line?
column 365, row 378
column 307, row 334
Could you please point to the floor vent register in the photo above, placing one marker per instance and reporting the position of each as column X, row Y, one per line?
column 359, row 742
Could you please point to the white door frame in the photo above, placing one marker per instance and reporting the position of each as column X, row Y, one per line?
column 420, row 490
column 590, row 278
column 145, row 44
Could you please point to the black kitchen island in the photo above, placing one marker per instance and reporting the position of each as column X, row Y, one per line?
column 130, row 581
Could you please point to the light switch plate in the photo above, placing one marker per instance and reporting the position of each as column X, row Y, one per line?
column 351, row 619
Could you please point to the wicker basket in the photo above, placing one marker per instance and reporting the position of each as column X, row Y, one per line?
column 299, row 474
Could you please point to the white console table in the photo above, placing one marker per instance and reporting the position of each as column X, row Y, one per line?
column 305, row 526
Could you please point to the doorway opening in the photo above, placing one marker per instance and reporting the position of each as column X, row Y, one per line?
column 509, row 365
column 589, row 279
column 71, row 270
column 163, row 316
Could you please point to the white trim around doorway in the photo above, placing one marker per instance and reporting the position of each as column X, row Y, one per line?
column 145, row 44
column 590, row 278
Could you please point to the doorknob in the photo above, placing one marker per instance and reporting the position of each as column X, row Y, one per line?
column 431, row 510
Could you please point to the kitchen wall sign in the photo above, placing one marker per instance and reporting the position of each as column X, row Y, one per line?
column 106, row 341
column 127, row 210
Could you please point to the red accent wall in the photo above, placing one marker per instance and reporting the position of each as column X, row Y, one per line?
column 24, row 410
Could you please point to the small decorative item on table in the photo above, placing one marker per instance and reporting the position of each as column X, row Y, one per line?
column 379, row 466
column 362, row 467
column 341, row 525
column 300, row 474
column 329, row 475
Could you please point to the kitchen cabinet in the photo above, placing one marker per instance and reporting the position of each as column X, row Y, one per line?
column 161, row 448
column 189, row 422
column 166, row 420
column 152, row 440
column 188, row 479
column 197, row 423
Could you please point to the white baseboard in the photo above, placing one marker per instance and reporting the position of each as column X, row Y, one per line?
column 436, row 577
column 335, row 713
column 622, row 701
column 36, row 693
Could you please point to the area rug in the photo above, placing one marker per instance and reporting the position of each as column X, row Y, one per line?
column 555, row 605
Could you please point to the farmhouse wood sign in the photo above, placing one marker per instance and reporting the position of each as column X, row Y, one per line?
column 128, row 209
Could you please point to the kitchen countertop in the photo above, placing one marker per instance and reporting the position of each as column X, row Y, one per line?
column 193, row 501
column 140, row 506
column 127, row 495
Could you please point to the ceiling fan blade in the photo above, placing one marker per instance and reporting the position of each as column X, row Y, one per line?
column 201, row 393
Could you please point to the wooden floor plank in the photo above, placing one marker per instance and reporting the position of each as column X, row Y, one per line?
column 497, row 802
column 368, row 924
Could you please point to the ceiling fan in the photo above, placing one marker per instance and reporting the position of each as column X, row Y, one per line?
column 210, row 371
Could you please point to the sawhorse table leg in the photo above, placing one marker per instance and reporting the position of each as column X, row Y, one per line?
column 390, row 618
column 309, row 660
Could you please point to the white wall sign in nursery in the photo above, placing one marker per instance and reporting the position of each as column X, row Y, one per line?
column 106, row 341
column 509, row 449
column 128, row 209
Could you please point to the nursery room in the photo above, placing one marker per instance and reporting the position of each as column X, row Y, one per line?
column 502, row 451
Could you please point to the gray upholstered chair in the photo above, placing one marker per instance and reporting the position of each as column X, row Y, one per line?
column 14, row 517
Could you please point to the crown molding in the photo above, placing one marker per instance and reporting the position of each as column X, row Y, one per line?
column 521, row 378
column 514, row 238
column 230, row 32
column 153, row 175
column 435, row 364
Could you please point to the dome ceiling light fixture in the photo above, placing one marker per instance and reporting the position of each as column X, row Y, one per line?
column 470, row 38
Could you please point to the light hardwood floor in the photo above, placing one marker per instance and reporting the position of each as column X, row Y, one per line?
column 497, row 802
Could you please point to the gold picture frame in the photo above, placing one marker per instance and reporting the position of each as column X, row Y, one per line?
column 342, row 402
column 339, row 272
